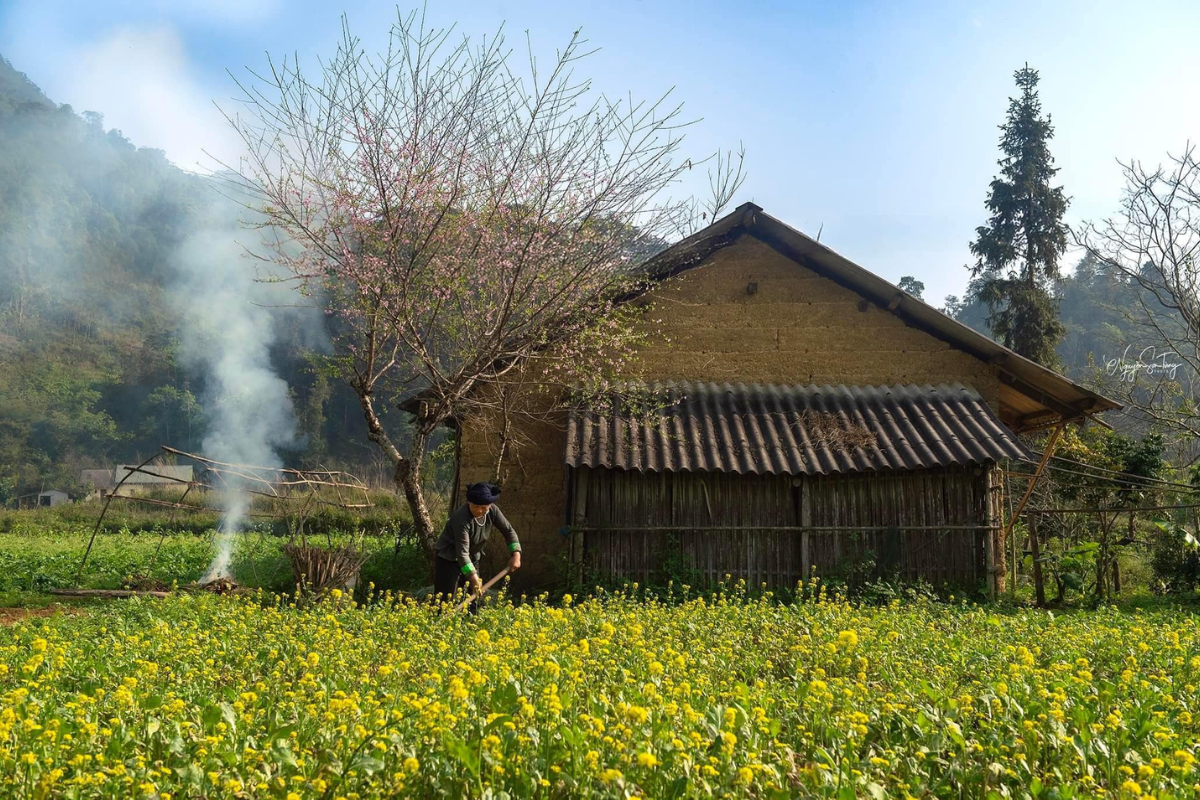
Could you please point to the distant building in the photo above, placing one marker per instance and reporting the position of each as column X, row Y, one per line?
column 52, row 497
column 101, row 480
column 152, row 474
column 136, row 478
column 149, row 477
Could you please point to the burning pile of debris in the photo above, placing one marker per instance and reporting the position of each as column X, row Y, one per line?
column 220, row 586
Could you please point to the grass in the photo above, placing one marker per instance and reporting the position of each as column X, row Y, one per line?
column 35, row 562
column 387, row 514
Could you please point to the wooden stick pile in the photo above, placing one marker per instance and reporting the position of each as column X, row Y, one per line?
column 319, row 568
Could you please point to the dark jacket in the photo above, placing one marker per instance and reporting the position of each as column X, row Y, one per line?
column 464, row 537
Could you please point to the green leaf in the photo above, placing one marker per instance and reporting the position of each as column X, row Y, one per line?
column 229, row 716
column 281, row 732
column 210, row 716
column 677, row 788
column 367, row 764
column 956, row 737
column 500, row 720
column 464, row 754
column 191, row 774
column 283, row 753
column 505, row 696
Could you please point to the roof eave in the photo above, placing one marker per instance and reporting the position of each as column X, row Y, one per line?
column 1069, row 400
column 922, row 315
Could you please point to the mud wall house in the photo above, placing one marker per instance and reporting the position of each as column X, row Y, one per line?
column 98, row 481
column 818, row 419
column 129, row 479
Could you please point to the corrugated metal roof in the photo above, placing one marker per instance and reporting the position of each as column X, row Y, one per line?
column 769, row 429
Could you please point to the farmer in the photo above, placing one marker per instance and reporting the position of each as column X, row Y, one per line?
column 461, row 544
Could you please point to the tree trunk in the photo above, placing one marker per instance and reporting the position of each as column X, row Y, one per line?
column 505, row 432
column 406, row 472
column 1116, row 578
column 452, row 501
column 497, row 475
column 1104, row 555
column 1039, row 586
column 408, row 480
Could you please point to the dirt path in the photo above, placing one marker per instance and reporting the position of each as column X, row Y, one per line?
column 9, row 616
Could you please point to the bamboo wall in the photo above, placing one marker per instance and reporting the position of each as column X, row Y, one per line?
column 896, row 525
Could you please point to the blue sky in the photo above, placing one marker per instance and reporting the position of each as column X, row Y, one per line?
column 874, row 120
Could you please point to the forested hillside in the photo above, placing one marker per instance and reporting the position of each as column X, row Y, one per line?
column 91, row 372
column 1100, row 311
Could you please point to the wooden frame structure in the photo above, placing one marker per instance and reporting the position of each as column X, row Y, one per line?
column 293, row 493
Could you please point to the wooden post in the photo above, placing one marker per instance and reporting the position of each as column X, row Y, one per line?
column 579, row 519
column 805, row 522
column 990, row 535
column 1039, row 587
column 1047, row 452
column 1051, row 443
column 1116, row 568
column 1014, row 553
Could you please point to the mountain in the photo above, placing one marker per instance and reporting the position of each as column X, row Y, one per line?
column 91, row 368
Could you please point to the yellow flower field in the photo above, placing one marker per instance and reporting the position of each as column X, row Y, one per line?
column 203, row 696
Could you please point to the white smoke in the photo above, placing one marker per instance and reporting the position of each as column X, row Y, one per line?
column 226, row 328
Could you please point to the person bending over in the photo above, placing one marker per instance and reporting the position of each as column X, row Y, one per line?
column 461, row 545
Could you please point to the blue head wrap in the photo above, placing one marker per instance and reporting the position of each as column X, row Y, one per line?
column 483, row 494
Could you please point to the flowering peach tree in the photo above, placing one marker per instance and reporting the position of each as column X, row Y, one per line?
column 461, row 220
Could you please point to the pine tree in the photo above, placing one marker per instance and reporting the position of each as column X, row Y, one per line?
column 1017, row 251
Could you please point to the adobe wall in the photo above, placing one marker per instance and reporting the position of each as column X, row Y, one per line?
column 534, row 499
column 796, row 327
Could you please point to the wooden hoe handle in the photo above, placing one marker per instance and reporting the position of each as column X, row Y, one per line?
column 495, row 579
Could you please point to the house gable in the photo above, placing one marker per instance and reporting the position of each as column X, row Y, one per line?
column 746, row 312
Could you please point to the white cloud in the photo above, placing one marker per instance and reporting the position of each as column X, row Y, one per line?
column 140, row 79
